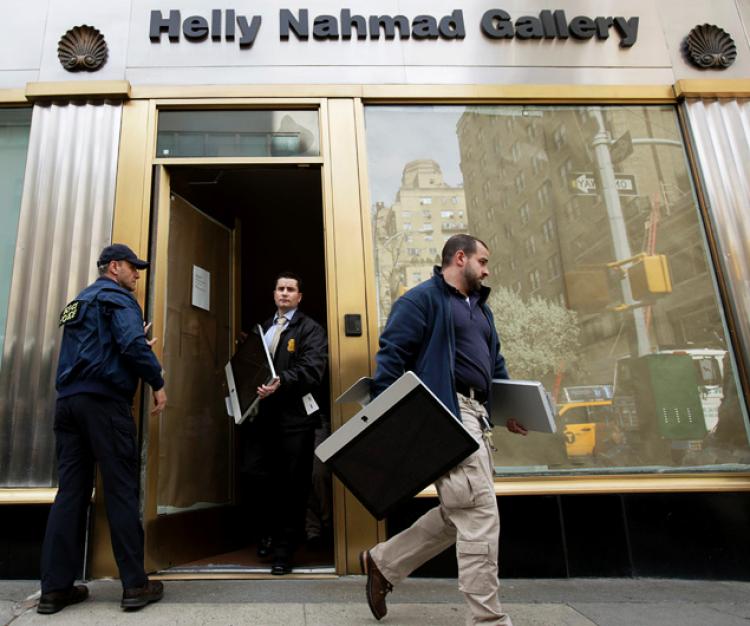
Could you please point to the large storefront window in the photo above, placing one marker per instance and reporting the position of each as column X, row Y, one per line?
column 602, row 286
column 14, row 142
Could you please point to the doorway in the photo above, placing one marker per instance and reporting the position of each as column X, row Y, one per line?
column 231, row 230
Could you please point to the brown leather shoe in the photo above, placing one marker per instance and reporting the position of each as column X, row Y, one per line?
column 57, row 600
column 377, row 585
column 138, row 597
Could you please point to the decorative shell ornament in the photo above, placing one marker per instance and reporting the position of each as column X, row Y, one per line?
column 709, row 46
column 82, row 48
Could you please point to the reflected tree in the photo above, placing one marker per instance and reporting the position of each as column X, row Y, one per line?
column 539, row 338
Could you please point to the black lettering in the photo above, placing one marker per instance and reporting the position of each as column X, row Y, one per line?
column 603, row 24
column 548, row 24
column 628, row 30
column 325, row 27
column 216, row 24
column 195, row 28
column 299, row 27
column 424, row 27
column 357, row 21
column 229, row 24
column 561, row 23
column 452, row 26
column 496, row 24
column 582, row 27
column 158, row 25
column 528, row 27
column 248, row 32
column 389, row 24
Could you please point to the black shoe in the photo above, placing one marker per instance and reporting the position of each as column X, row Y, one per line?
column 57, row 600
column 264, row 547
column 281, row 567
column 138, row 597
column 377, row 587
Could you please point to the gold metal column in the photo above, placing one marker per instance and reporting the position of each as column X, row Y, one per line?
column 355, row 528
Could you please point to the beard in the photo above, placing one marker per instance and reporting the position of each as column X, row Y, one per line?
column 473, row 280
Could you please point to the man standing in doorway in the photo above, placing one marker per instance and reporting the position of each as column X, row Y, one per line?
column 280, row 440
column 104, row 353
column 444, row 331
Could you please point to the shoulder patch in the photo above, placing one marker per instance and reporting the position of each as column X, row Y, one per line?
column 71, row 312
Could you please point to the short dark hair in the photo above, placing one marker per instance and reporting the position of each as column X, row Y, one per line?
column 467, row 243
column 290, row 275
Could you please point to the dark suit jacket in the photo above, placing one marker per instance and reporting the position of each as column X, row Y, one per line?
column 300, row 362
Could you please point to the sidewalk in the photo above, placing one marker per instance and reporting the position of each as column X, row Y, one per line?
column 341, row 602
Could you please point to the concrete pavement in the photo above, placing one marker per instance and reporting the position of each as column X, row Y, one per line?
column 340, row 602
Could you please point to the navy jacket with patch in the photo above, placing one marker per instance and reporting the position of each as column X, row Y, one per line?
column 104, row 349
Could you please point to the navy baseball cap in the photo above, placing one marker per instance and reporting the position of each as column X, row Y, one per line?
column 120, row 252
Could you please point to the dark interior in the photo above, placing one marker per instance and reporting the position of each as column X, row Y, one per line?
column 279, row 212
column 281, row 216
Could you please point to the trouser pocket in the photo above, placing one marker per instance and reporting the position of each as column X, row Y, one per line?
column 476, row 573
column 465, row 486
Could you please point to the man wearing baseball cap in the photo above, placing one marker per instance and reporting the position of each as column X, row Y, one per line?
column 104, row 354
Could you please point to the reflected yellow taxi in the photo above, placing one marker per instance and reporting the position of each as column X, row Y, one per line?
column 580, row 420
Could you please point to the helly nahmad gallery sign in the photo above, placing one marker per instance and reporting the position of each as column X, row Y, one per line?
column 495, row 24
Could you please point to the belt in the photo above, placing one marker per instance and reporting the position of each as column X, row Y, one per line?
column 480, row 395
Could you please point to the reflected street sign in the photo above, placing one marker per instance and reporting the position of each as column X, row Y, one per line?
column 621, row 149
column 585, row 184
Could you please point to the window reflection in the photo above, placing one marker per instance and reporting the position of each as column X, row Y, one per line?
column 602, row 287
column 246, row 133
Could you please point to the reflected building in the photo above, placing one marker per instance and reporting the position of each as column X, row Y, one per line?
column 411, row 232
column 550, row 230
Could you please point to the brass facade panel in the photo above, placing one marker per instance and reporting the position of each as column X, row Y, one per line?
column 237, row 160
column 78, row 89
column 712, row 88
column 132, row 197
column 223, row 102
column 27, row 496
column 563, row 485
column 195, row 96
column 538, row 94
column 13, row 96
column 346, row 278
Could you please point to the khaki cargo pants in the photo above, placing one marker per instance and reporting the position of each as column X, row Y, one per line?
column 467, row 516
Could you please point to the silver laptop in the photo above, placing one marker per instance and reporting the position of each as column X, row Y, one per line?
column 526, row 401
column 250, row 367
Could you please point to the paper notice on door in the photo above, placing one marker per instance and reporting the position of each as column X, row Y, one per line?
column 310, row 405
column 201, row 288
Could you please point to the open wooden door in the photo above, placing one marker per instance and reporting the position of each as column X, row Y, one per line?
column 189, row 472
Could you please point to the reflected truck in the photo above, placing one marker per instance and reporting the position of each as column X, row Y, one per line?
column 667, row 401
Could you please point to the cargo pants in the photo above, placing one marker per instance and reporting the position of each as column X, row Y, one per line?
column 467, row 516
